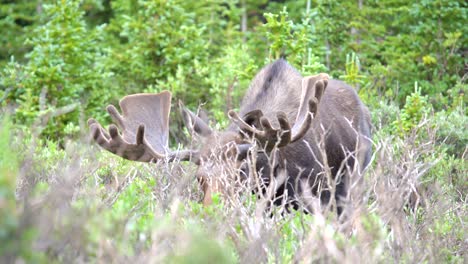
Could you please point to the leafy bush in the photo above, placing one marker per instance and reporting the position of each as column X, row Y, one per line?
column 63, row 76
column 416, row 107
column 292, row 41
column 9, row 171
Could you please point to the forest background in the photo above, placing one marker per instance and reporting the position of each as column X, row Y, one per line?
column 64, row 61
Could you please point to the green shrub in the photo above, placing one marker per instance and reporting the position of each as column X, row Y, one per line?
column 415, row 109
column 8, row 174
column 451, row 130
column 17, row 232
column 352, row 68
column 63, row 77
column 292, row 41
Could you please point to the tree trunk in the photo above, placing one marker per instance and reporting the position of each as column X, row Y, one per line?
column 244, row 20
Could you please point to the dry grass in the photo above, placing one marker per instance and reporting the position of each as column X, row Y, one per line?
column 77, row 206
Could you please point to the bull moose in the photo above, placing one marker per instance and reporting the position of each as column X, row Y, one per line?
column 298, row 132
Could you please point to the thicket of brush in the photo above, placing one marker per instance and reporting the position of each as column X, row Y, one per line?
column 63, row 200
column 81, row 205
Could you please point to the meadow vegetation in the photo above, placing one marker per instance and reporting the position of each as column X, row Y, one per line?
column 63, row 200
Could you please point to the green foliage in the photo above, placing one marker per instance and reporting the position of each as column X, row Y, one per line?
column 416, row 107
column 298, row 223
column 352, row 67
column 8, row 174
column 63, row 75
column 202, row 250
column 129, row 219
column 292, row 41
column 82, row 55
column 412, row 40
column 452, row 133
column 228, row 78
column 16, row 233
column 16, row 19
column 64, row 61
column 199, row 246
column 201, row 62
column 150, row 52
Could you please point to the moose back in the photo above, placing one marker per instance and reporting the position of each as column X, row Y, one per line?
column 299, row 136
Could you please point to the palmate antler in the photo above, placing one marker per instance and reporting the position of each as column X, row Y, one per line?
column 269, row 137
column 145, row 125
column 145, row 129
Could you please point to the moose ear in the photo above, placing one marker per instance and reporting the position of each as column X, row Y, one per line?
column 194, row 123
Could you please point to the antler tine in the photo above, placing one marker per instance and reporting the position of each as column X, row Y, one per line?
column 269, row 137
column 250, row 130
column 285, row 128
column 115, row 143
column 97, row 132
column 116, row 117
column 194, row 122
column 313, row 88
column 273, row 136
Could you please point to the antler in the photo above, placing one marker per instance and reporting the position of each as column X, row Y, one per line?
column 145, row 129
column 313, row 88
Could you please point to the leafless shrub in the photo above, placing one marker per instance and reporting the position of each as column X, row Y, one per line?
column 391, row 215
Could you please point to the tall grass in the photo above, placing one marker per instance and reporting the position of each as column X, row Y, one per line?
column 79, row 204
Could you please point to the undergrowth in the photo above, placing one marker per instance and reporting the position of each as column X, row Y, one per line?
column 79, row 204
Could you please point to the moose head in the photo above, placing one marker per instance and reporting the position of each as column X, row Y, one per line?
column 282, row 113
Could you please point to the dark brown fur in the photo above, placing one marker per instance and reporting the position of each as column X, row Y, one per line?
column 277, row 87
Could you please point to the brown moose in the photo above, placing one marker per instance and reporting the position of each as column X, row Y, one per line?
column 298, row 133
